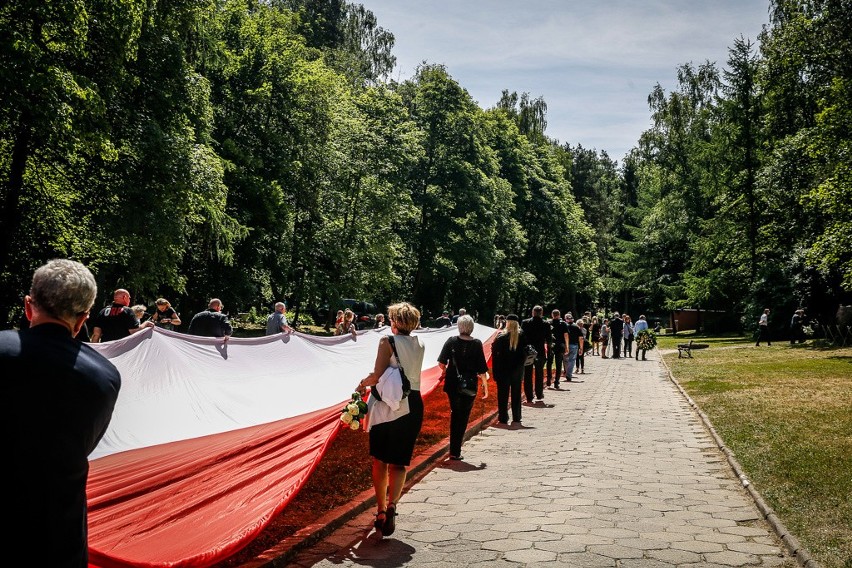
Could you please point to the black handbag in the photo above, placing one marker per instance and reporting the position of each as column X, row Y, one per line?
column 468, row 383
column 531, row 354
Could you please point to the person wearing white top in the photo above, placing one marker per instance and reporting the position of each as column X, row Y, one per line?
column 392, row 441
column 763, row 329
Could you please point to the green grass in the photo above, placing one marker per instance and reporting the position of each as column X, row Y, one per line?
column 786, row 413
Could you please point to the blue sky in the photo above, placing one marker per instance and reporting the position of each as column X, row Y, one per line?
column 594, row 62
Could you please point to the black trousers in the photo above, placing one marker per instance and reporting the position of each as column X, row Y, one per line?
column 536, row 387
column 555, row 352
column 460, row 407
column 616, row 345
column 506, row 387
column 628, row 346
column 764, row 335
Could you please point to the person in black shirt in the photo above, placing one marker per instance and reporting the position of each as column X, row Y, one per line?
column 556, row 347
column 444, row 320
column 211, row 322
column 165, row 316
column 616, row 329
column 537, row 332
column 461, row 353
column 797, row 324
column 60, row 395
column 507, row 367
column 118, row 320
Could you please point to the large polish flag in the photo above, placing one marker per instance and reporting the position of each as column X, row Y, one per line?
column 210, row 440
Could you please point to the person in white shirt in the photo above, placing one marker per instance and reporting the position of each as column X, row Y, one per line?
column 763, row 329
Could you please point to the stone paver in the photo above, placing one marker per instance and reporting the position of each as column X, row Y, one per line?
column 616, row 469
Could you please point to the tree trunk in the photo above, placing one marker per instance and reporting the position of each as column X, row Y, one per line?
column 9, row 217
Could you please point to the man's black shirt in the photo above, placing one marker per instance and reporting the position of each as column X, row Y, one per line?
column 115, row 322
column 537, row 332
column 574, row 334
column 558, row 329
column 59, row 394
column 210, row 323
column 443, row 321
column 616, row 326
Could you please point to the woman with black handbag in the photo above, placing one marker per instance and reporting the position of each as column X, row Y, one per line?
column 507, row 366
column 463, row 365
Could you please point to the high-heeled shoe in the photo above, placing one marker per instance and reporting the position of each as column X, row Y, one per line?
column 379, row 523
column 390, row 521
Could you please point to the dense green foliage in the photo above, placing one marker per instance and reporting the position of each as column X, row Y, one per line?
column 255, row 150
column 742, row 184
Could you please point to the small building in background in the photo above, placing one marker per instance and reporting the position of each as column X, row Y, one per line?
column 706, row 321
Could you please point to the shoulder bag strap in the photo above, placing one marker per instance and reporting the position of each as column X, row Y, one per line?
column 406, row 384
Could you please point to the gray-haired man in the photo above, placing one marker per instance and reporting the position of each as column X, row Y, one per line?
column 60, row 396
column 277, row 321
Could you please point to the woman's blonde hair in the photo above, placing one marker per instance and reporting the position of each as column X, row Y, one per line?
column 348, row 315
column 163, row 302
column 514, row 335
column 404, row 316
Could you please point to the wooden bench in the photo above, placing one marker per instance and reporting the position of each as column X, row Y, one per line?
column 685, row 349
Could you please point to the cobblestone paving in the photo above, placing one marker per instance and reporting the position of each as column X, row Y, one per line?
column 614, row 470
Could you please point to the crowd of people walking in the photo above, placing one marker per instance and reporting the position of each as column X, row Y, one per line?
column 527, row 356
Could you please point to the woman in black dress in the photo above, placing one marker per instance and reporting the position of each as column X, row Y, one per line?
column 507, row 366
column 392, row 443
column 461, row 353
column 596, row 336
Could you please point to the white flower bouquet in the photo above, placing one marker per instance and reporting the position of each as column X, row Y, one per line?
column 354, row 413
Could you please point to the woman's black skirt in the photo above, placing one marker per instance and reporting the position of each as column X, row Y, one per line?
column 393, row 442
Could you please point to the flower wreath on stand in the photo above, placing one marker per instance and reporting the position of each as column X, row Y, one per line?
column 646, row 339
column 354, row 413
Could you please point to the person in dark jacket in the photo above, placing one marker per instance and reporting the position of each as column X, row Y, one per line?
column 211, row 322
column 461, row 354
column 507, row 368
column 616, row 330
column 60, row 395
column 797, row 325
column 537, row 332
column 556, row 348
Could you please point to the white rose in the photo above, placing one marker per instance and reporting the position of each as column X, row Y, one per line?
column 353, row 409
column 346, row 418
column 354, row 425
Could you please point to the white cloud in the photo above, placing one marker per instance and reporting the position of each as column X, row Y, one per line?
column 593, row 62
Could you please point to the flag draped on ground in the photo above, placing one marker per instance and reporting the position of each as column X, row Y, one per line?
column 210, row 440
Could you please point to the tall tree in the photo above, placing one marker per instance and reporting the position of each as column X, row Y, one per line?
column 53, row 123
column 807, row 76
column 451, row 186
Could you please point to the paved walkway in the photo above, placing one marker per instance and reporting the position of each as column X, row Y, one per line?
column 616, row 470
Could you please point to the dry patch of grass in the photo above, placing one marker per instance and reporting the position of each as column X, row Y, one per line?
column 786, row 412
